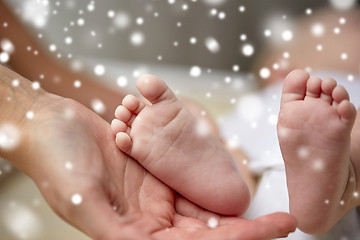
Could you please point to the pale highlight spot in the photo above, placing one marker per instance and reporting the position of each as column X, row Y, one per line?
column 111, row 13
column 303, row 152
column 80, row 22
column 68, row 40
column 137, row 38
column 69, row 165
column 15, row 83
column 68, row 114
column 202, row 128
column 233, row 142
column 195, row 71
column 35, row 85
column 236, row 68
column 242, row 9
column 286, row 55
column 99, row 70
column 342, row 21
column 9, row 136
column 21, row 221
column 250, row 107
column 214, row 2
column 344, row 56
column 213, row 11
column 273, row 119
column 212, row 45
column 212, row 222
column 267, row 33
column 248, row 50
column 4, row 57
column 185, row 7
column 7, row 46
column 98, row 106
column 264, row 73
column 52, row 47
column 243, row 37
column 139, row 21
column 221, row 15
column 283, row 132
column 193, row 40
column 287, row 35
column 356, row 194
column 30, row 115
column 318, row 165
column 318, row 29
column 76, row 199
column 122, row 81
column 343, row 4
column 77, row 83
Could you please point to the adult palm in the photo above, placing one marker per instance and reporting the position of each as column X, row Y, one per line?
column 71, row 155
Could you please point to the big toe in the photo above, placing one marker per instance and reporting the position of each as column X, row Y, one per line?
column 294, row 87
column 154, row 89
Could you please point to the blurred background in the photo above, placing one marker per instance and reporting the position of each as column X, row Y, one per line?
column 207, row 33
column 209, row 50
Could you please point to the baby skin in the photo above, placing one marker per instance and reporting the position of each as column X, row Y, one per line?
column 314, row 129
column 166, row 139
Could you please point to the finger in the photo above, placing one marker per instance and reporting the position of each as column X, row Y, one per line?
column 188, row 223
column 188, row 209
column 277, row 224
column 267, row 227
column 96, row 217
column 263, row 228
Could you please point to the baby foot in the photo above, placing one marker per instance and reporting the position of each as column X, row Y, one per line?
column 314, row 127
column 165, row 138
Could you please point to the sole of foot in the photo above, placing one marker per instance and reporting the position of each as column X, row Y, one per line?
column 314, row 128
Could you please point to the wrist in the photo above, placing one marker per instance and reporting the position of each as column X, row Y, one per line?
column 21, row 106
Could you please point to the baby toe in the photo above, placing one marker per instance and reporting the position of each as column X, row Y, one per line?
column 118, row 126
column 313, row 87
column 133, row 103
column 340, row 94
column 295, row 86
column 123, row 142
column 154, row 89
column 347, row 111
column 123, row 114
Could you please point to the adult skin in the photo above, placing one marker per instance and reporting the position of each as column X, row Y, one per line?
column 59, row 79
column 70, row 151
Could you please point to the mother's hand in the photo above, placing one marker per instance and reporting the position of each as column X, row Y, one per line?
column 70, row 153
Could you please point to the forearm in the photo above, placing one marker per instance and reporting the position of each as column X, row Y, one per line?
column 39, row 65
column 19, row 104
column 17, row 95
